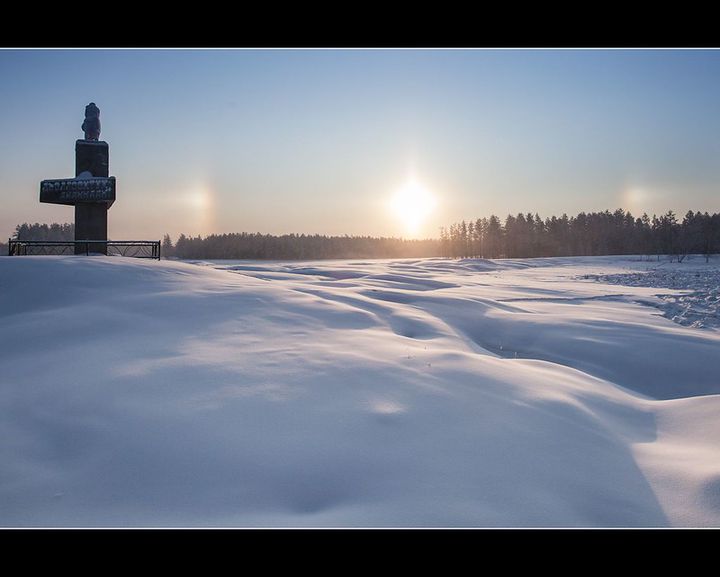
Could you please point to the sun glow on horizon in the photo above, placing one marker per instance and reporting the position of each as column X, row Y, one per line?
column 412, row 203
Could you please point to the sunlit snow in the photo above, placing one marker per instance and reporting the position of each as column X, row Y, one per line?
column 565, row 392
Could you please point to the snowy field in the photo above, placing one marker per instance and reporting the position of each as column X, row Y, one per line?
column 566, row 392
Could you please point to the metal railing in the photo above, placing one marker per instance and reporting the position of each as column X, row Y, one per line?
column 130, row 248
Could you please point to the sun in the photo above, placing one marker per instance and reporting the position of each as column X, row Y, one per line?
column 412, row 203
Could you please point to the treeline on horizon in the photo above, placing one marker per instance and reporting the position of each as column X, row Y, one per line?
column 587, row 234
column 257, row 246
column 521, row 236
column 39, row 231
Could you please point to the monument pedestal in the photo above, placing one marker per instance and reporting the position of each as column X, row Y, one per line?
column 91, row 224
column 91, row 156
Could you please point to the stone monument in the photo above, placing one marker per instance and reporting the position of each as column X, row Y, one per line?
column 92, row 191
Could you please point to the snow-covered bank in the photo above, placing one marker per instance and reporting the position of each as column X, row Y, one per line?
column 354, row 393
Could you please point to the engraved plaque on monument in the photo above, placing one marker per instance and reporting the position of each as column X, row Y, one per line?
column 92, row 191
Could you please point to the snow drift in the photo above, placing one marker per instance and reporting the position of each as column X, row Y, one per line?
column 427, row 393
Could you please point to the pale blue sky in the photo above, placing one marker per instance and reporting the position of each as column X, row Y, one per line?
column 309, row 141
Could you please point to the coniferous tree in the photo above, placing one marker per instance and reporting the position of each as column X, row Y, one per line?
column 709, row 235
column 511, row 237
column 471, row 239
column 167, row 247
column 493, row 237
column 444, row 243
column 463, row 232
column 480, row 228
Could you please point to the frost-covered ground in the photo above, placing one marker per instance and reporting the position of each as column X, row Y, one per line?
column 545, row 392
column 698, row 302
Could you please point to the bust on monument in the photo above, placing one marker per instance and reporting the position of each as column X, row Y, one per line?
column 91, row 125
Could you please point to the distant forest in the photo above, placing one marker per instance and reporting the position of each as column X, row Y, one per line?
column 39, row 231
column 587, row 234
column 521, row 236
column 296, row 247
column 261, row 246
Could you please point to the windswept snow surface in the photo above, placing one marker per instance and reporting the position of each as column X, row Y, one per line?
column 698, row 305
column 423, row 393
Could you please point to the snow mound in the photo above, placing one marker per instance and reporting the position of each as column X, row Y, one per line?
column 406, row 393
